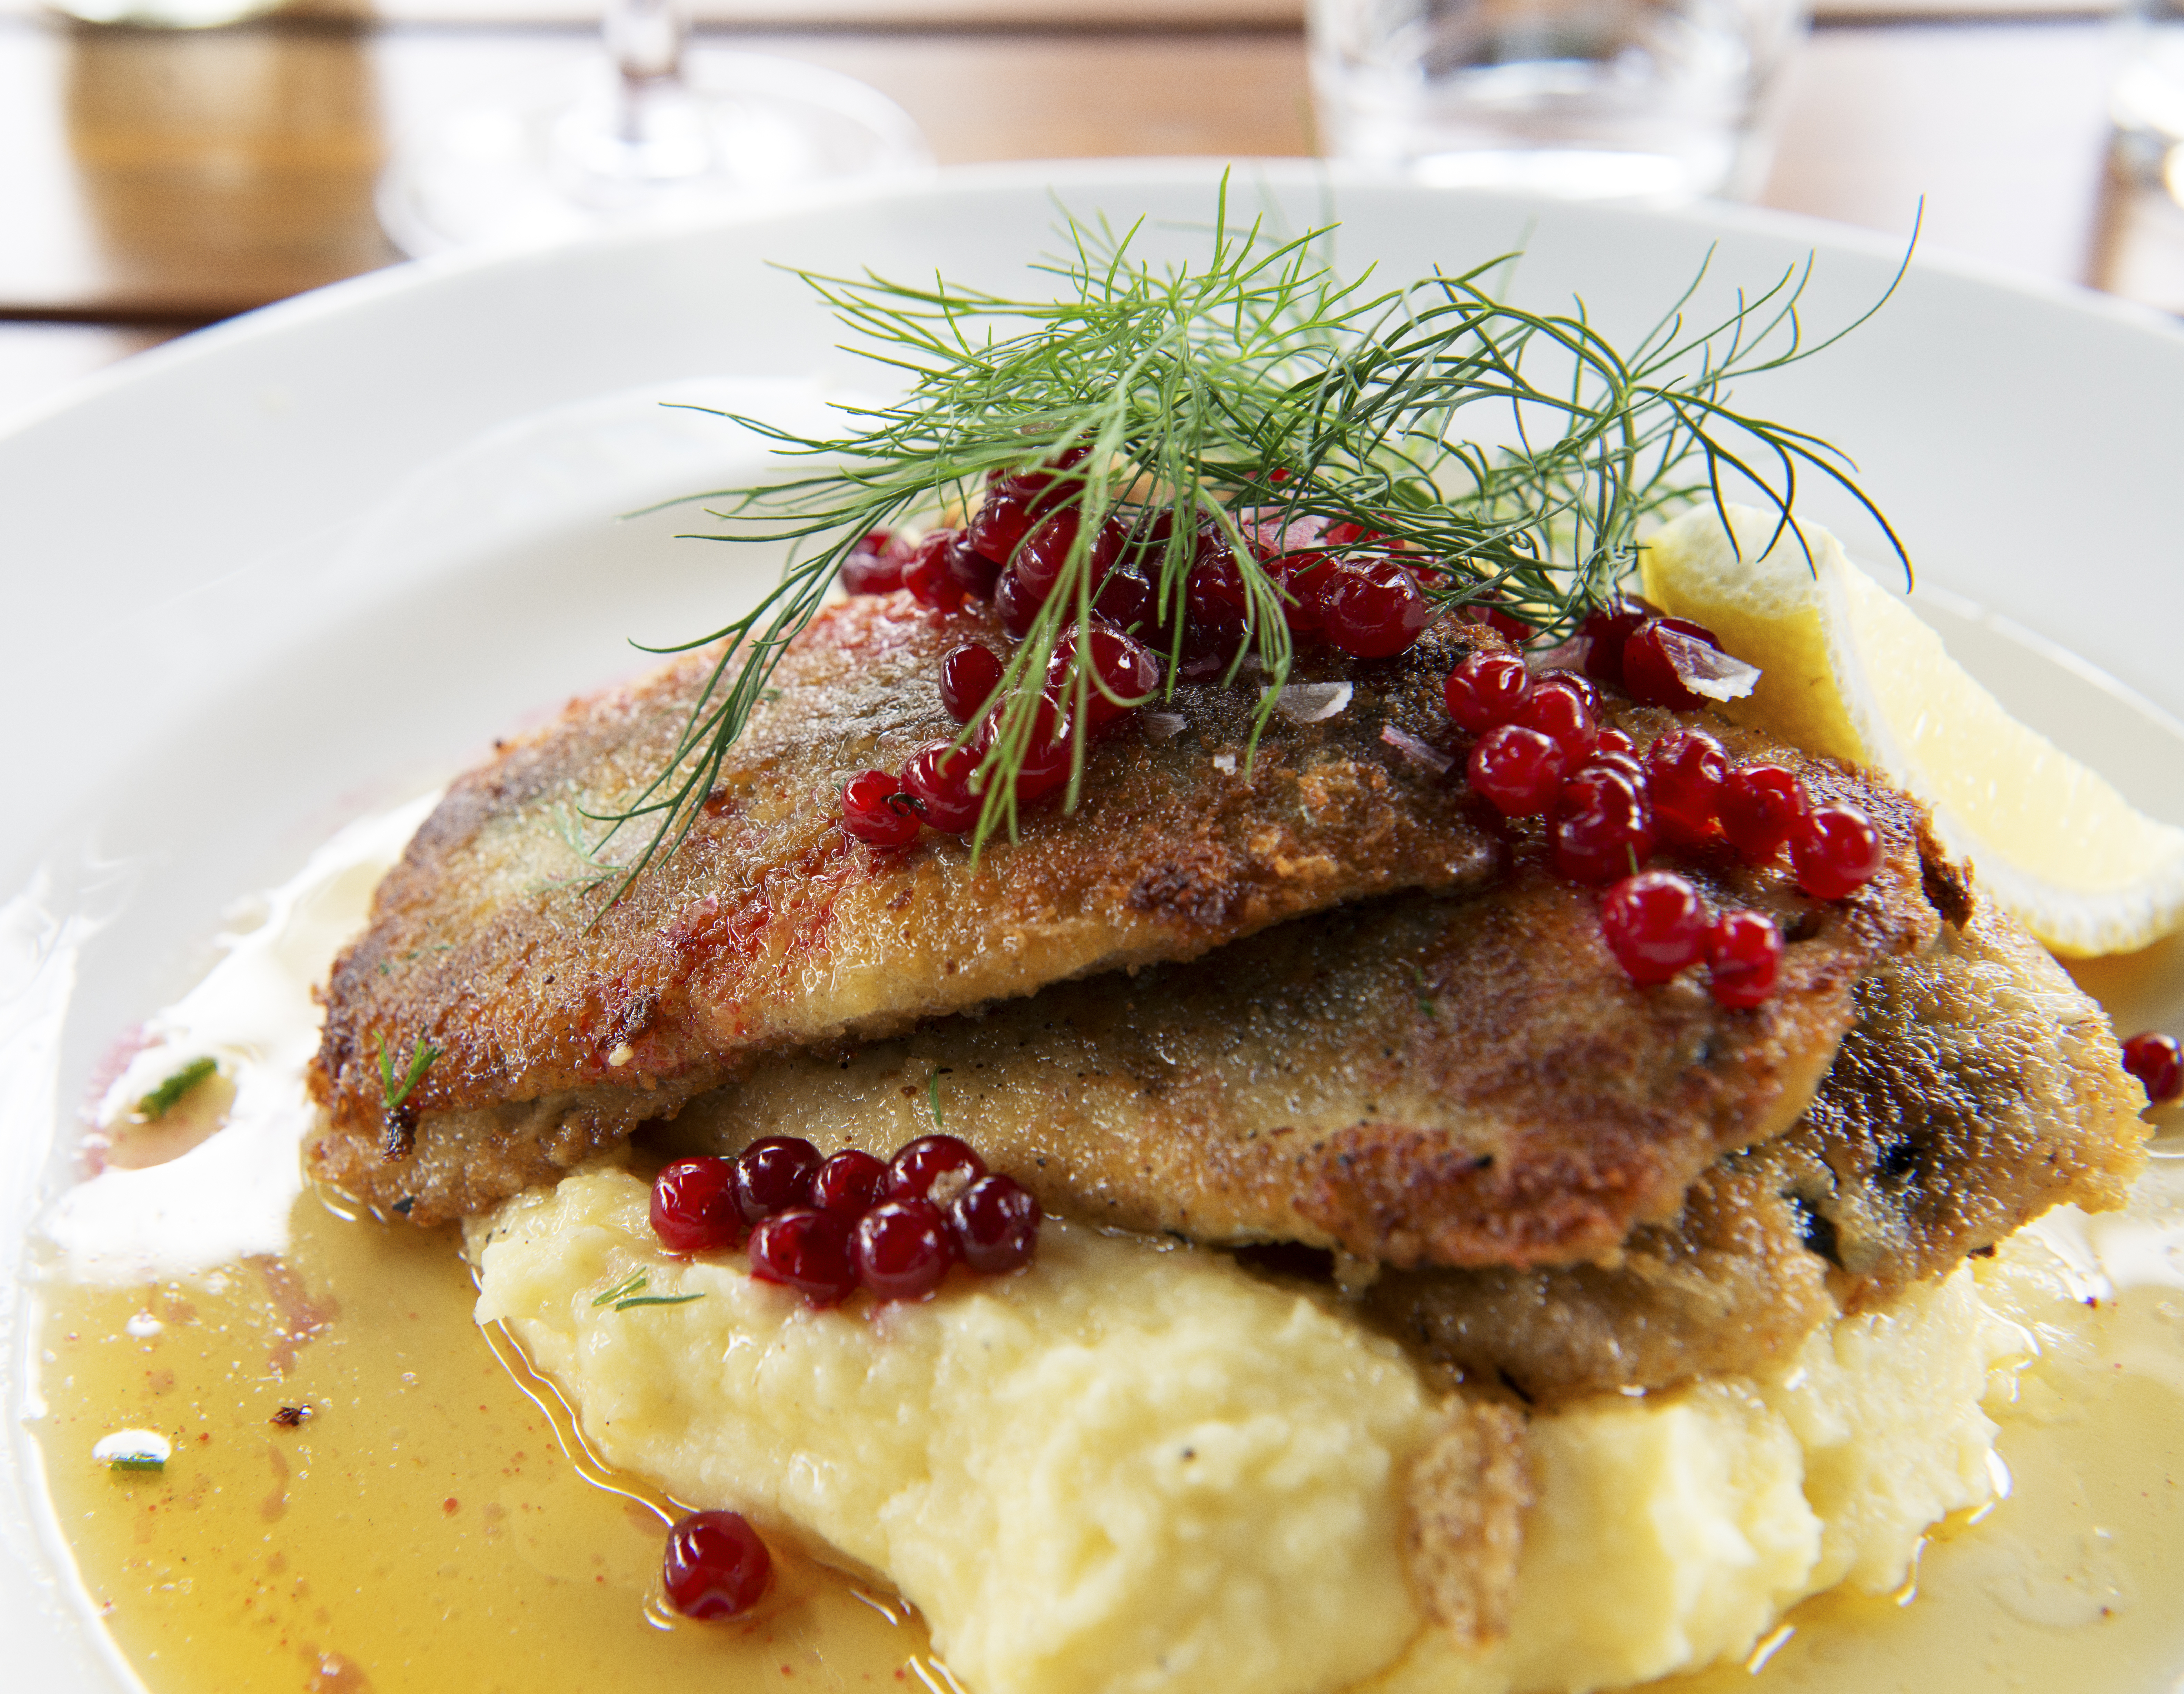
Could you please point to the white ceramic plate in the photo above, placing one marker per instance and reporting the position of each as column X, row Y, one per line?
column 312, row 560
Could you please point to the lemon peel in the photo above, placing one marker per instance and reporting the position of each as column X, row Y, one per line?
column 1849, row 670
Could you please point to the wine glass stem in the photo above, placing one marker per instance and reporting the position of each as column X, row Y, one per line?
column 644, row 38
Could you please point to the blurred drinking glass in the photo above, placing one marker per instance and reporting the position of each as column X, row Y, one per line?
column 647, row 134
column 1657, row 99
column 2146, row 101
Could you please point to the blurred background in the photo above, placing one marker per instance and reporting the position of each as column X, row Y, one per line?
column 155, row 178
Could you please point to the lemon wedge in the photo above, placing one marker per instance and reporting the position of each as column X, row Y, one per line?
column 1848, row 669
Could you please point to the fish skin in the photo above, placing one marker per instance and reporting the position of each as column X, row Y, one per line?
column 561, row 1027
column 1452, row 1079
column 1978, row 1088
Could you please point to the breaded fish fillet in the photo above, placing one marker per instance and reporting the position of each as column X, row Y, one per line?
column 1976, row 1088
column 561, row 1026
column 1452, row 1079
column 1979, row 1088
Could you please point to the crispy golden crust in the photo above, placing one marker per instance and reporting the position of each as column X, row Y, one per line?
column 1451, row 1079
column 561, row 1028
column 1978, row 1089
column 1728, row 1287
column 1465, row 1497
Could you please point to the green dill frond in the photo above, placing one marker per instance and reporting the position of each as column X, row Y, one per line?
column 168, row 1094
column 628, row 1288
column 1514, row 455
column 423, row 1058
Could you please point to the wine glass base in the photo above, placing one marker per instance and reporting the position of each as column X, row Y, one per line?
column 544, row 165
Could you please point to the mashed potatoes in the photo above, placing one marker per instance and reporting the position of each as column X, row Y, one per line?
column 1121, row 1469
column 1136, row 1469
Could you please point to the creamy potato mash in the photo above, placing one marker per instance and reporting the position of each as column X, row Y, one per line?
column 1136, row 1469
column 1121, row 1469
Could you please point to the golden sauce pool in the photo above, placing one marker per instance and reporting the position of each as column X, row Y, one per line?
column 429, row 1525
column 422, row 1528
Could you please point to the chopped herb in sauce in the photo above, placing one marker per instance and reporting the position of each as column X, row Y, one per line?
column 168, row 1094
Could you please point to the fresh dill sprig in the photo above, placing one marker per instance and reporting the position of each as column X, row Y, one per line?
column 630, row 1292
column 1515, row 452
column 633, row 1284
column 421, row 1059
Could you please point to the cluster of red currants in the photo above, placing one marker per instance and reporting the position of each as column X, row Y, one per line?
column 938, row 785
column 2157, row 1062
column 826, row 1227
column 1606, row 805
column 1338, row 582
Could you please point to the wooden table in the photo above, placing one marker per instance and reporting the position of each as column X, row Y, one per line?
column 153, row 180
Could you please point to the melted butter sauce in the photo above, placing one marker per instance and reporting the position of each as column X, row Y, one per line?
column 2070, row 1583
column 425, row 1527
column 435, row 1524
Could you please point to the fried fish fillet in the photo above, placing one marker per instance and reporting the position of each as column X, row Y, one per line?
column 561, row 1026
column 1978, row 1088
column 1451, row 1079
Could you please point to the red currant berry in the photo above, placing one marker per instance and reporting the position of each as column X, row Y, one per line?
column 774, row 1175
column 1045, row 552
column 874, row 565
column 693, row 1207
column 1744, row 957
column 935, row 1168
column 996, row 1224
column 1837, row 851
column 929, row 576
column 974, row 573
column 1047, row 485
column 1559, row 712
column 715, row 1567
column 968, row 677
column 1373, row 608
column 1049, row 752
column 849, row 1182
column 1650, row 676
column 1214, row 594
column 1304, row 579
column 939, row 779
column 1656, row 925
column 1629, row 764
column 806, row 1250
column 1122, row 666
column 1127, row 599
column 1685, row 771
column 1001, row 522
column 1519, row 769
column 904, row 1248
column 877, row 809
column 1604, row 631
column 1570, row 682
column 1145, row 548
column 1760, row 807
column 1487, row 690
column 1016, row 604
column 1603, row 827
column 2155, row 1060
